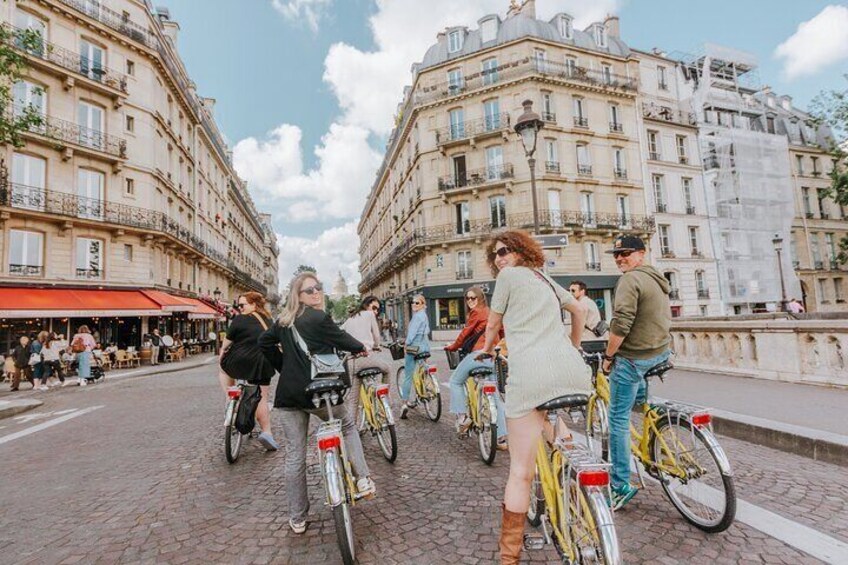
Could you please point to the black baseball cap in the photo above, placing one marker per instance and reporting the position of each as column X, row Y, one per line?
column 627, row 243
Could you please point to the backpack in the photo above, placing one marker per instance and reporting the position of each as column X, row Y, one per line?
column 77, row 346
column 246, row 415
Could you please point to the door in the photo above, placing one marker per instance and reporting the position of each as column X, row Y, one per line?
column 494, row 162
column 28, row 95
column 555, row 208
column 457, row 124
column 91, row 60
column 460, row 174
column 27, row 21
column 492, row 115
column 90, row 193
column 28, row 182
column 90, row 120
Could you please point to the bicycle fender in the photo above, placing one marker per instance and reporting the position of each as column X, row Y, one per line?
column 390, row 418
column 231, row 409
column 605, row 525
column 723, row 461
column 493, row 410
column 333, row 481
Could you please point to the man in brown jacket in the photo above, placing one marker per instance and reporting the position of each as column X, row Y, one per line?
column 638, row 340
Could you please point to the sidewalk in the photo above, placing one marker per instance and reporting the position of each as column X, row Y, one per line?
column 12, row 403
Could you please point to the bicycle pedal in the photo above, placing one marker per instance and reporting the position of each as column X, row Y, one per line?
column 534, row 542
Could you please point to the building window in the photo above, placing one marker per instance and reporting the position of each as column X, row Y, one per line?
column 615, row 118
column 89, row 258
column 29, row 175
column 805, row 197
column 693, row 241
column 815, row 244
column 682, row 155
column 26, row 253
column 555, row 208
column 570, row 66
column 584, row 161
column 821, row 194
column 551, row 156
column 799, row 164
column 623, row 209
column 464, row 266
column 579, row 114
column 587, row 207
column 128, row 252
column 494, row 162
column 662, row 80
column 548, row 113
column 600, row 35
column 653, row 146
column 90, row 118
column 687, row 195
column 489, row 30
column 541, row 58
column 455, row 41
column 28, row 95
column 129, row 187
column 497, row 211
column 490, row 71
column 815, row 161
column 440, row 261
column 463, row 218
column 566, row 28
column 701, row 284
column 455, row 83
column 92, row 59
column 130, row 68
column 659, row 193
column 492, row 115
column 90, row 193
column 593, row 257
column 457, row 123
column 822, row 288
column 606, row 72
column 130, row 124
column 830, row 245
column 619, row 163
column 665, row 240
column 837, row 290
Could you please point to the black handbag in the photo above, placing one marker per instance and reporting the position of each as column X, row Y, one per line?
column 246, row 415
column 468, row 345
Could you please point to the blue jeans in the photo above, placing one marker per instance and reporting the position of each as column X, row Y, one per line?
column 627, row 388
column 409, row 364
column 84, row 364
column 458, row 394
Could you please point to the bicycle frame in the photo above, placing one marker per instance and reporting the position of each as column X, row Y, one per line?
column 475, row 393
column 371, row 393
column 333, row 459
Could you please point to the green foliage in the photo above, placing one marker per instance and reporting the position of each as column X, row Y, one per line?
column 13, row 64
column 304, row 268
column 339, row 309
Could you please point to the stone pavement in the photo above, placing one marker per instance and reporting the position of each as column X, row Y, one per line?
column 141, row 478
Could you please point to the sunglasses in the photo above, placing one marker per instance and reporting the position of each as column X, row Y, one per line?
column 470, row 298
column 241, row 305
column 376, row 307
column 313, row 289
column 622, row 253
column 573, row 290
column 418, row 303
column 502, row 252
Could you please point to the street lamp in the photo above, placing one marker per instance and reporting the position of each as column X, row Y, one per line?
column 527, row 126
column 217, row 294
column 777, row 241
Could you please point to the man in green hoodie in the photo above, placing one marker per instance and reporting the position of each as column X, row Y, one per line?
column 639, row 339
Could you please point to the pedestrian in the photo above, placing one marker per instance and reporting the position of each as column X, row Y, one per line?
column 639, row 339
column 36, row 362
column 595, row 331
column 362, row 325
column 543, row 365
column 472, row 338
column 417, row 341
column 82, row 344
column 52, row 361
column 241, row 358
column 21, row 354
column 304, row 323
column 155, row 345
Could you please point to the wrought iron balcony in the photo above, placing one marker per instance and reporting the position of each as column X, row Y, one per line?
column 711, row 162
column 70, row 61
column 818, row 265
column 593, row 266
column 690, row 210
column 581, row 122
column 653, row 111
column 26, row 270
column 667, row 253
column 472, row 128
column 654, row 156
column 552, row 167
column 703, row 293
column 549, row 117
column 616, row 127
column 674, row 294
column 111, row 19
column 477, row 177
column 69, row 132
column 662, row 208
column 620, row 173
column 464, row 274
column 683, row 159
column 93, row 273
column 584, row 170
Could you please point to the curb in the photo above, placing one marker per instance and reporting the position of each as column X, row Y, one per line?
column 167, row 368
column 17, row 406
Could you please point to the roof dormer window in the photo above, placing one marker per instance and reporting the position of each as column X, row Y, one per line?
column 489, row 29
column 600, row 35
column 455, row 41
column 566, row 28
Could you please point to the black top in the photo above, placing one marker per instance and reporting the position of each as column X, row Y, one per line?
column 243, row 359
column 21, row 355
column 321, row 335
column 155, row 340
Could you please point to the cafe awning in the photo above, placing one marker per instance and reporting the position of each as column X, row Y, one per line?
column 171, row 302
column 202, row 311
column 22, row 302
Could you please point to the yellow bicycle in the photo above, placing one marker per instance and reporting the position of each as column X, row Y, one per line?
column 425, row 385
column 676, row 446
column 480, row 400
column 375, row 414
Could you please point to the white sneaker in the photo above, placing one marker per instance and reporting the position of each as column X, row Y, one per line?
column 44, row 387
column 83, row 382
column 297, row 527
column 366, row 488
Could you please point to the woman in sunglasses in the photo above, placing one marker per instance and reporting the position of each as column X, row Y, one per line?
column 472, row 338
column 304, row 311
column 543, row 365
column 241, row 358
column 364, row 327
column 416, row 342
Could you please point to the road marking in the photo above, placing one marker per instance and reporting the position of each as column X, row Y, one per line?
column 47, row 424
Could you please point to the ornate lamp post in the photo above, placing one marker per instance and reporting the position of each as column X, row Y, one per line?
column 527, row 126
column 217, row 295
column 777, row 241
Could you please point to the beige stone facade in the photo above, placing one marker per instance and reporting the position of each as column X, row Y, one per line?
column 455, row 171
column 128, row 183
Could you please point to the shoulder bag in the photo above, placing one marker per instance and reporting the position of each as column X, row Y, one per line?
column 323, row 364
column 544, row 278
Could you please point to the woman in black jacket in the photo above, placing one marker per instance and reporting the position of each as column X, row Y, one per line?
column 305, row 311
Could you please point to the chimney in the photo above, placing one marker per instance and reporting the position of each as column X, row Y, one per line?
column 786, row 102
column 209, row 104
column 613, row 27
column 169, row 27
column 529, row 8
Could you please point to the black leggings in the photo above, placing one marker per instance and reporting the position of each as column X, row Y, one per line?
column 51, row 367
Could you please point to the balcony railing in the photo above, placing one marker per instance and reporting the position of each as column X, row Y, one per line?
column 71, row 61
column 818, row 265
column 477, row 177
column 26, row 270
column 552, row 167
column 69, row 132
column 654, row 156
column 584, row 170
column 664, row 113
column 690, row 210
column 593, row 266
column 464, row 274
column 620, row 173
column 662, row 208
column 674, row 294
column 616, row 127
column 703, row 293
column 472, row 128
column 834, row 265
column 111, row 19
column 683, row 159
column 711, row 162
column 89, row 273
column 549, row 117
column 581, row 122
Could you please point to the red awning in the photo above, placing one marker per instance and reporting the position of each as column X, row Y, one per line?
column 202, row 311
column 75, row 303
column 170, row 302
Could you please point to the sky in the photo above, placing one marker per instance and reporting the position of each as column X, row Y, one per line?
column 306, row 89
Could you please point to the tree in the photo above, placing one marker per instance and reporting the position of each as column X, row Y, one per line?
column 831, row 108
column 339, row 309
column 13, row 64
column 305, row 268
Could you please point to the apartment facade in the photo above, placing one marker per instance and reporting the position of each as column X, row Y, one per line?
column 456, row 172
column 127, row 182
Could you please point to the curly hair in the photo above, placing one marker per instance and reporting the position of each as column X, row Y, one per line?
column 519, row 242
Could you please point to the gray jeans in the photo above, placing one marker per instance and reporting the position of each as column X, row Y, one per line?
column 295, row 423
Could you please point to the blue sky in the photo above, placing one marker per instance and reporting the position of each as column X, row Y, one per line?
column 291, row 76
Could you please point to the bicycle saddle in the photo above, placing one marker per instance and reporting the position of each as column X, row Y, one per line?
column 369, row 372
column 423, row 355
column 480, row 372
column 567, row 401
column 320, row 386
column 659, row 370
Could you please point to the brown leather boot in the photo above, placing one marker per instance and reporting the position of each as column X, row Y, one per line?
column 512, row 536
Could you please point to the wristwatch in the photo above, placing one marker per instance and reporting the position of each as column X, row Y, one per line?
column 608, row 357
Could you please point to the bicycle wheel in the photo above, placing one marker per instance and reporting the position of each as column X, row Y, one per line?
column 398, row 379
column 433, row 401
column 386, row 436
column 704, row 495
column 537, row 501
column 232, row 437
column 597, row 427
column 601, row 546
column 344, row 532
column 487, row 433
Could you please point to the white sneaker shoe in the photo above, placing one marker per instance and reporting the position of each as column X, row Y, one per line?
column 44, row 387
column 83, row 382
column 297, row 527
column 366, row 488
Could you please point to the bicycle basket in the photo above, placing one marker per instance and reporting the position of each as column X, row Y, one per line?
column 453, row 359
column 396, row 350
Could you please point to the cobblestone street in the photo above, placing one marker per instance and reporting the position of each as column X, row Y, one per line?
column 141, row 477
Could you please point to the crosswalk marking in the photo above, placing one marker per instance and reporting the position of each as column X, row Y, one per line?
column 47, row 424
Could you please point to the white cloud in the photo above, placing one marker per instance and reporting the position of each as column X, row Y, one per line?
column 816, row 44
column 310, row 10
column 337, row 249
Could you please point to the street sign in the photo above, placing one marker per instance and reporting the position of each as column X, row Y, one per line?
column 552, row 241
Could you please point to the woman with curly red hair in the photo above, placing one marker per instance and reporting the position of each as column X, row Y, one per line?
column 542, row 364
